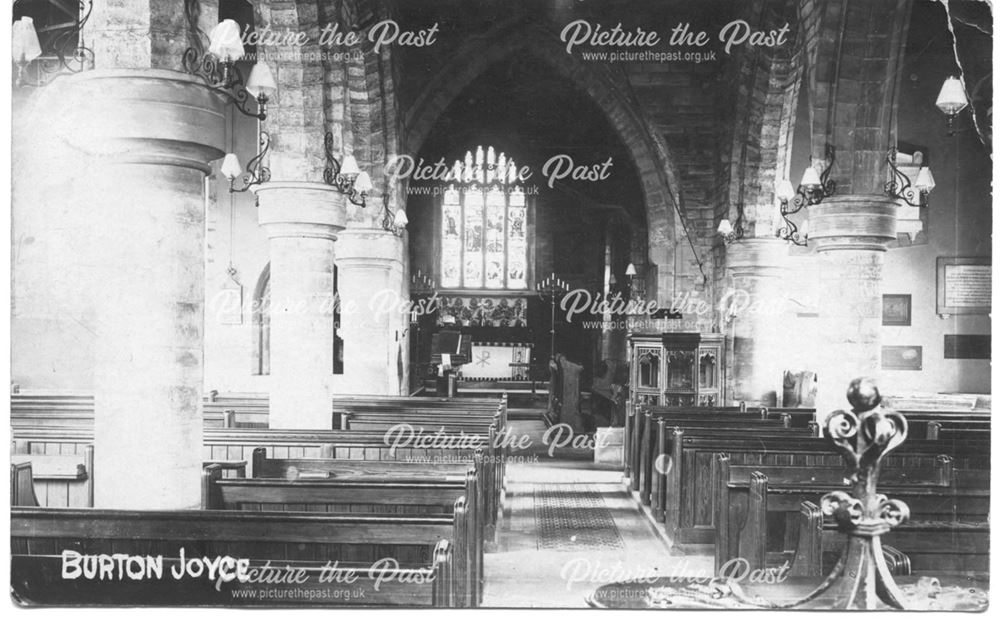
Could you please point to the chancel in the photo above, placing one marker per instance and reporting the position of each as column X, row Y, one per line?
column 494, row 304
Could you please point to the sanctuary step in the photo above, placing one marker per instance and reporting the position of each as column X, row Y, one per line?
column 495, row 388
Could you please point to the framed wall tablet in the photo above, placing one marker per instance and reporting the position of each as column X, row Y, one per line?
column 897, row 309
column 967, row 346
column 902, row 357
column 964, row 285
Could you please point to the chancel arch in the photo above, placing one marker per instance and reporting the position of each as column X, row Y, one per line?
column 649, row 153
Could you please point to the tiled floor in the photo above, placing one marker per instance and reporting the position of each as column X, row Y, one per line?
column 519, row 574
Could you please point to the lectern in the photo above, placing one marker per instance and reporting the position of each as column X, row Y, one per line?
column 449, row 350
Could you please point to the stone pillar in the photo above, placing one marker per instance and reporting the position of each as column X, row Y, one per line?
column 147, row 137
column 756, row 307
column 370, row 271
column 301, row 221
column 851, row 233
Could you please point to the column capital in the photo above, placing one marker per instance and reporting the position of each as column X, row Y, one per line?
column 853, row 222
column 369, row 246
column 136, row 116
column 757, row 256
column 301, row 209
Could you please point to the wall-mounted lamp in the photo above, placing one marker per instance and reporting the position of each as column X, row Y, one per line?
column 952, row 100
column 394, row 223
column 217, row 67
column 728, row 230
column 345, row 176
column 630, row 270
column 54, row 60
column 256, row 172
column 899, row 185
column 26, row 47
column 813, row 188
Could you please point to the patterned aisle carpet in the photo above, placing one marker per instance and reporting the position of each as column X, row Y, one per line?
column 574, row 517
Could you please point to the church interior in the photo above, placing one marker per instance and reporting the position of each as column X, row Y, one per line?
column 484, row 303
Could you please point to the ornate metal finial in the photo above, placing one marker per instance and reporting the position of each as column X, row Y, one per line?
column 867, row 433
column 861, row 578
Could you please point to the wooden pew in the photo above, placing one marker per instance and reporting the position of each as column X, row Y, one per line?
column 22, row 485
column 641, row 418
column 297, row 540
column 688, row 483
column 65, row 480
column 643, row 433
column 386, row 471
column 375, row 491
column 799, row 417
column 755, row 504
column 655, row 453
column 235, row 445
column 928, row 545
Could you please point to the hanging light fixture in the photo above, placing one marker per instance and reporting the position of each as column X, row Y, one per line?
column 345, row 175
column 217, row 67
column 813, row 188
column 952, row 100
column 899, row 185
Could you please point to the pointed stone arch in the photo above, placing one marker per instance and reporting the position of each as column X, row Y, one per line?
column 610, row 91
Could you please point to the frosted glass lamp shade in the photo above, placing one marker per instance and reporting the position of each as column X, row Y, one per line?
column 925, row 180
column 401, row 219
column 261, row 80
column 24, row 41
column 951, row 100
column 225, row 42
column 630, row 270
column 231, row 166
column 784, row 191
column 810, row 178
column 363, row 183
column 725, row 227
column 350, row 167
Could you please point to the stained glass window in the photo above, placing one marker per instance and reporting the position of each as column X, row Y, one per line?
column 484, row 221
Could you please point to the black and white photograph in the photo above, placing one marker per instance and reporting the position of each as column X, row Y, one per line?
column 673, row 305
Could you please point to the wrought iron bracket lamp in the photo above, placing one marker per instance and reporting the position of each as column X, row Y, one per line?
column 217, row 66
column 899, row 185
column 814, row 187
column 27, row 49
column 350, row 180
column 732, row 232
column 393, row 223
column 256, row 172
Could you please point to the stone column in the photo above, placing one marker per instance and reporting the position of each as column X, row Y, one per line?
column 301, row 221
column 851, row 233
column 147, row 136
column 756, row 307
column 370, row 270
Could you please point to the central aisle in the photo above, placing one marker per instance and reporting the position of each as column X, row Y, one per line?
column 569, row 527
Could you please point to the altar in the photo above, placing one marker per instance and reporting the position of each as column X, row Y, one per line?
column 498, row 361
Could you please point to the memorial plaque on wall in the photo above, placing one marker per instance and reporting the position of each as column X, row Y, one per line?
column 964, row 285
column 967, row 346
column 902, row 357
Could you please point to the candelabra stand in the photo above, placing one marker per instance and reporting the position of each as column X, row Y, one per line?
column 551, row 287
